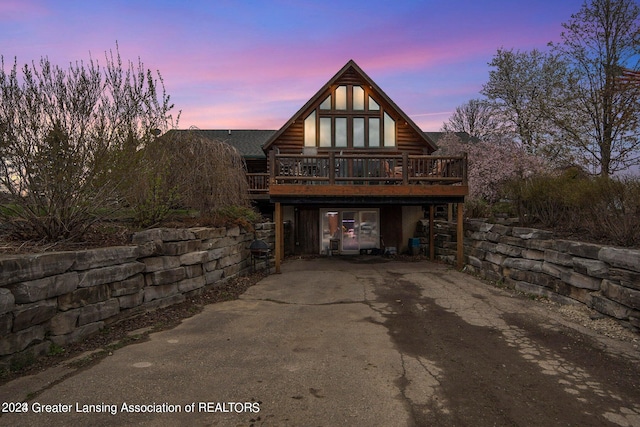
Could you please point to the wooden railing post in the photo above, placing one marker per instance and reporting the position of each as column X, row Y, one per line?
column 464, row 169
column 272, row 167
column 332, row 168
column 405, row 168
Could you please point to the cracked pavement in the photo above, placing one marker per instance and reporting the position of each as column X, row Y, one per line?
column 359, row 341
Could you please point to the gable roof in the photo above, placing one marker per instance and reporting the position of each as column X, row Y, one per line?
column 351, row 65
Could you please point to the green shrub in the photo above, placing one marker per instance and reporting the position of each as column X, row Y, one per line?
column 540, row 199
column 601, row 208
column 610, row 209
column 155, row 206
column 477, row 208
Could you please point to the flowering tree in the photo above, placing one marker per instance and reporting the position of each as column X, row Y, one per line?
column 521, row 87
column 491, row 165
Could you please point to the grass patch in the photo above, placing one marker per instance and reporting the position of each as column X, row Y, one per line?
column 55, row 349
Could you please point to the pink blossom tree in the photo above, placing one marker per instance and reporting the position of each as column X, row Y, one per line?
column 492, row 164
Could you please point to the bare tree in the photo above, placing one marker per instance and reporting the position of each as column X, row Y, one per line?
column 602, row 43
column 69, row 137
column 477, row 118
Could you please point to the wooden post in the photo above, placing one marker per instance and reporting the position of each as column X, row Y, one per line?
column 282, row 239
column 405, row 168
column 460, row 237
column 279, row 236
column 332, row 168
column 432, row 240
column 271, row 167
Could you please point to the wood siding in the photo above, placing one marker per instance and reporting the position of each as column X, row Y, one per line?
column 292, row 139
column 307, row 230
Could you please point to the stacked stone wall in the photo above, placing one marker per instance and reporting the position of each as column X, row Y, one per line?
column 63, row 297
column 604, row 278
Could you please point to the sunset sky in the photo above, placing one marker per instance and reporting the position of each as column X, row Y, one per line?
column 253, row 64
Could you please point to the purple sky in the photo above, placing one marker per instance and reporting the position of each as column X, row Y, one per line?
column 253, row 64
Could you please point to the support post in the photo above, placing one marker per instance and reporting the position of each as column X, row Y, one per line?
column 432, row 240
column 282, row 238
column 279, row 236
column 460, row 237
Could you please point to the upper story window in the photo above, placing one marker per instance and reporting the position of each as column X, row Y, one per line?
column 349, row 117
column 341, row 98
column 358, row 98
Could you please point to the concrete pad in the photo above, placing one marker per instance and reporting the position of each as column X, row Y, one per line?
column 303, row 347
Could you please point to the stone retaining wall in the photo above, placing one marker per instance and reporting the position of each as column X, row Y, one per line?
column 62, row 297
column 605, row 278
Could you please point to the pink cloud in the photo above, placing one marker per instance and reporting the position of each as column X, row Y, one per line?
column 229, row 116
column 19, row 10
column 240, row 68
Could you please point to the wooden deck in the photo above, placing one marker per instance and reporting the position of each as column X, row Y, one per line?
column 342, row 175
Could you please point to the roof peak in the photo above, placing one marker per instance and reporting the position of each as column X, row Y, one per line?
column 368, row 81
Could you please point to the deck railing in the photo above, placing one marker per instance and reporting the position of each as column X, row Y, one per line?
column 367, row 169
column 360, row 170
column 258, row 183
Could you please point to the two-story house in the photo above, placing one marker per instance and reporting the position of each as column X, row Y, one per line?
column 350, row 172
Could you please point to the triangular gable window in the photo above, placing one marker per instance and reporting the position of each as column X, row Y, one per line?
column 373, row 105
column 326, row 104
column 344, row 120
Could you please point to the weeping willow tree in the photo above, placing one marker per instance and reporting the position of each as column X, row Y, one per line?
column 211, row 174
column 185, row 169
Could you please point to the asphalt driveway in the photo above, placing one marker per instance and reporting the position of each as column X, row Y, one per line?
column 359, row 341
